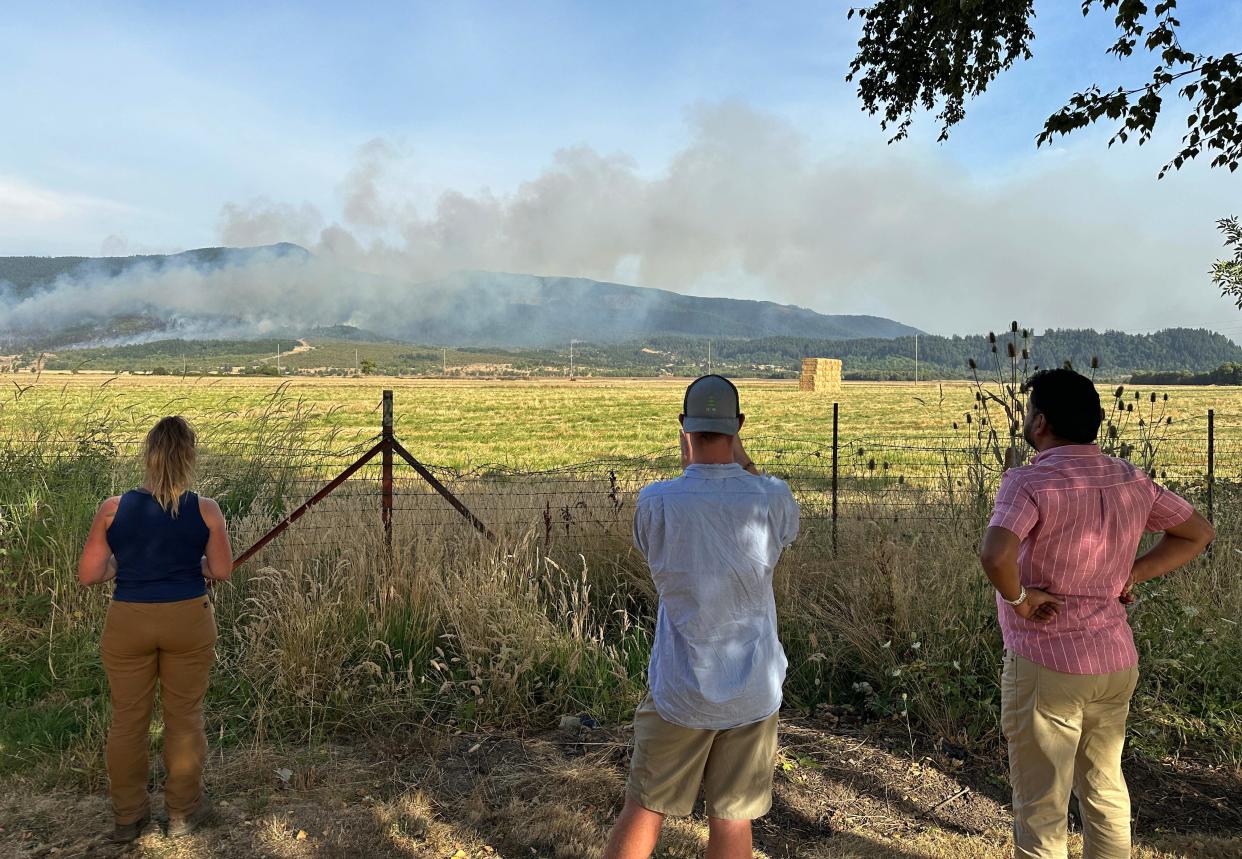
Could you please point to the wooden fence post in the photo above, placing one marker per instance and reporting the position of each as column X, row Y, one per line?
column 1211, row 466
column 835, row 456
column 386, row 472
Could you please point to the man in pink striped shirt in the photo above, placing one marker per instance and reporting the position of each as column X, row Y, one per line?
column 1060, row 550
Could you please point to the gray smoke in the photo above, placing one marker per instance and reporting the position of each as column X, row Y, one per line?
column 749, row 208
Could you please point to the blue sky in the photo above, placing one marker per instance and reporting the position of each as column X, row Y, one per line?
column 130, row 126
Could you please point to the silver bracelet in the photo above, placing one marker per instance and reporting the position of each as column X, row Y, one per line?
column 1021, row 598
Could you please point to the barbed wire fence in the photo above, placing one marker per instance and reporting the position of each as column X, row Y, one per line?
column 286, row 500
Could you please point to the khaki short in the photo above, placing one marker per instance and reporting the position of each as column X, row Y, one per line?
column 734, row 766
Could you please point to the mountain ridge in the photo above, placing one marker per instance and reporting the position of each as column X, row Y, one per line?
column 470, row 307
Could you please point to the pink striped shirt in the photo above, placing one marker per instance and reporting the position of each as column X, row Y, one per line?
column 1080, row 516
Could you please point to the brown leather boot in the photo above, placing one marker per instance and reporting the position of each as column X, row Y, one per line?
column 179, row 827
column 123, row 833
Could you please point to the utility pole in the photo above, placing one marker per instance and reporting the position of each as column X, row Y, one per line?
column 277, row 359
column 709, row 357
column 357, row 372
column 444, row 361
column 571, row 357
column 916, row 358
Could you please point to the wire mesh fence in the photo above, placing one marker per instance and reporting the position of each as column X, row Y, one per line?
column 259, row 483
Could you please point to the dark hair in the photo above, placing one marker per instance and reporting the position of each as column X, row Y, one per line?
column 711, row 437
column 1069, row 402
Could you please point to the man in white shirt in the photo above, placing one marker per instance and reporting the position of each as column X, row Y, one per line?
column 711, row 538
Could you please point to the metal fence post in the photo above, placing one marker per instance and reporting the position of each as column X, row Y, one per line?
column 386, row 471
column 835, row 450
column 1211, row 470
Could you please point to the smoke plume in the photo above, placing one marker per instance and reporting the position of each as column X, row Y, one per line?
column 748, row 208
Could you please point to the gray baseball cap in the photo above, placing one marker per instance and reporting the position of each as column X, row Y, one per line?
column 711, row 405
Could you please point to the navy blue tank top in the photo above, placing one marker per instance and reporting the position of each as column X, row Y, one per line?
column 158, row 558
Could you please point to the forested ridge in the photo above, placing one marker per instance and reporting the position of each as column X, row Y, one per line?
column 1175, row 353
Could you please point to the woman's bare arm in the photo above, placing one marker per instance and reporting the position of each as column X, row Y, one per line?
column 97, row 565
column 218, row 564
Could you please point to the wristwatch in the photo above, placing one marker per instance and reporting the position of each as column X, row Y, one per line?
column 1021, row 598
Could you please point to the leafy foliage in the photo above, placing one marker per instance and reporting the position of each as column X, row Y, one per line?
column 1227, row 273
column 921, row 53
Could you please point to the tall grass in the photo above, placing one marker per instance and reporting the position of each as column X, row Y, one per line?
column 325, row 633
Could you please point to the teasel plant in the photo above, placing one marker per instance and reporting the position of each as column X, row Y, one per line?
column 1135, row 428
column 992, row 428
column 1000, row 398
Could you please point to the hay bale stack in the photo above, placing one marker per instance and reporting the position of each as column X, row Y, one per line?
column 820, row 375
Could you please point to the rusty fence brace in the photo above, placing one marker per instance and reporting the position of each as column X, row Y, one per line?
column 385, row 449
column 443, row 490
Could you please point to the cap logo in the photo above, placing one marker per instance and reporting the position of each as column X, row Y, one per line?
column 711, row 404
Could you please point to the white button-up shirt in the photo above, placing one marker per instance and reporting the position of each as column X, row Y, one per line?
column 712, row 538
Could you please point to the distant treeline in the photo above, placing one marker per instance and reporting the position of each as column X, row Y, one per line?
column 1225, row 374
column 1172, row 350
column 1178, row 353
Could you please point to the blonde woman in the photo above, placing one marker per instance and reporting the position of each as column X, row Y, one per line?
column 160, row 543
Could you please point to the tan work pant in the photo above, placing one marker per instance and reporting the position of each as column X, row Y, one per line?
column 174, row 642
column 1066, row 733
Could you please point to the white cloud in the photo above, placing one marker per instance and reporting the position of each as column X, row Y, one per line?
column 22, row 203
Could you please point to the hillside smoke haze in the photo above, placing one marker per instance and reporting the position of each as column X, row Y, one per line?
column 748, row 209
column 744, row 209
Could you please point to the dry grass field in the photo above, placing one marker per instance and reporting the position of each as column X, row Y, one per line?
column 529, row 424
column 413, row 700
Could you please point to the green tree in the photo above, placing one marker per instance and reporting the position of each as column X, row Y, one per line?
column 917, row 54
column 1227, row 273
column 367, row 366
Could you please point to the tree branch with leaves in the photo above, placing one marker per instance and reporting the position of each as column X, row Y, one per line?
column 920, row 54
column 1227, row 273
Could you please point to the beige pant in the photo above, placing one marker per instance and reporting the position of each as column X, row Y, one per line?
column 1066, row 733
column 733, row 766
column 174, row 643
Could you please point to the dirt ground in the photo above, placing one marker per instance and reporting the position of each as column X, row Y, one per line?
column 842, row 790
